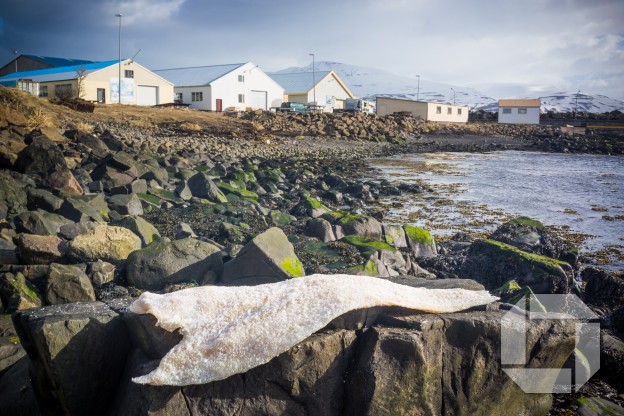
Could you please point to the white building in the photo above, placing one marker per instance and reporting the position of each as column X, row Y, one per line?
column 96, row 82
column 223, row 87
column 322, row 88
column 428, row 111
column 519, row 111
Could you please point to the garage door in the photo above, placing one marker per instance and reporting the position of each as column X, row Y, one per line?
column 147, row 95
column 259, row 99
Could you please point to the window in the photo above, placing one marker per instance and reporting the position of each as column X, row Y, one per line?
column 179, row 97
column 241, row 78
column 63, row 91
column 128, row 73
column 459, row 111
column 241, row 98
column 506, row 110
column 438, row 110
column 197, row 96
column 449, row 111
column 43, row 91
column 522, row 111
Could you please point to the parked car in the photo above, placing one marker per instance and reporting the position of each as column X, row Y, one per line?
column 291, row 106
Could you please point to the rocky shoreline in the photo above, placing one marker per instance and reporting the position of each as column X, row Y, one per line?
column 90, row 220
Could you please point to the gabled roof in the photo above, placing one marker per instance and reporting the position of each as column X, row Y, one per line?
column 519, row 103
column 303, row 82
column 299, row 82
column 197, row 75
column 55, row 74
column 58, row 62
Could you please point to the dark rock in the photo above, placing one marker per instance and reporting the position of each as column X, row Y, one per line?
column 597, row 406
column 41, row 156
column 490, row 263
column 202, row 186
column 17, row 396
column 361, row 225
column 8, row 253
column 135, row 187
column 67, row 284
column 183, row 230
column 268, row 254
column 78, row 352
column 40, row 249
column 164, row 262
column 73, row 229
column 101, row 272
column 602, row 288
column 126, row 204
column 321, row 229
column 12, row 193
column 64, row 181
column 42, row 199
column 17, row 293
column 84, row 208
column 34, row 222
column 97, row 146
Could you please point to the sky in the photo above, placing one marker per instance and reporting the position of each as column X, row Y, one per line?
column 503, row 48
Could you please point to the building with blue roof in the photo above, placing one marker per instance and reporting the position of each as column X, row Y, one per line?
column 224, row 87
column 323, row 88
column 96, row 82
column 33, row 62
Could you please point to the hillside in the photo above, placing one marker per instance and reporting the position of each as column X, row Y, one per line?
column 369, row 83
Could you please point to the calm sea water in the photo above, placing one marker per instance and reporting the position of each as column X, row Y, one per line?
column 584, row 192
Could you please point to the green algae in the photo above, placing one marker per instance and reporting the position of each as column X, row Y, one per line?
column 527, row 222
column 419, row 235
column 546, row 263
column 367, row 245
column 293, row 266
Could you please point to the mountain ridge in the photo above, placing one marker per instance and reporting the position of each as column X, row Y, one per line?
column 369, row 83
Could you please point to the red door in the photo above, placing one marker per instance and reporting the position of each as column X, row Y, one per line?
column 219, row 105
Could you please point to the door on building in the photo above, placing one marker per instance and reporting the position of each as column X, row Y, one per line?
column 219, row 105
column 259, row 99
column 147, row 95
column 101, row 95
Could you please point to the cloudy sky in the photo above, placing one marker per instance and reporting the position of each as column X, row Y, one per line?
column 498, row 47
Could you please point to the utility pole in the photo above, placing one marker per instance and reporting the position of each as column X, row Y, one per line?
column 313, row 78
column 418, row 88
column 576, row 103
column 119, row 49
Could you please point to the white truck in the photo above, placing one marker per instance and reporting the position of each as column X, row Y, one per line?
column 358, row 105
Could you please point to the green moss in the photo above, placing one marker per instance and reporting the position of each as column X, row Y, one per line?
column 202, row 168
column 368, row 269
column 14, row 340
column 293, row 266
column 241, row 193
column 418, row 235
column 527, row 222
column 507, row 288
column 389, row 239
column 315, row 204
column 104, row 213
column 150, row 199
column 166, row 195
column 280, row 218
column 367, row 245
column 549, row 264
column 349, row 218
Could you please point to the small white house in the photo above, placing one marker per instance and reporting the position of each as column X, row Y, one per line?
column 222, row 87
column 519, row 111
column 97, row 82
column 322, row 88
column 424, row 110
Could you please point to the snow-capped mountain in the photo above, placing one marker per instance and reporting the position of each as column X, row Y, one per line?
column 369, row 82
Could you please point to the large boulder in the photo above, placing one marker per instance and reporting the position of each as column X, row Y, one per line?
column 12, row 193
column 17, row 293
column 64, row 181
column 201, row 186
column 269, row 254
column 41, row 156
column 531, row 235
column 78, row 351
column 362, row 225
column 67, row 284
column 165, row 262
column 84, row 208
column 40, row 249
column 492, row 263
column 126, row 204
column 107, row 243
column 420, row 241
column 138, row 225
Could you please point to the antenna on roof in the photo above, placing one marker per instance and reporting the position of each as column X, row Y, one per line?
column 132, row 59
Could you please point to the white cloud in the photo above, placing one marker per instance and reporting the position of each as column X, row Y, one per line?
column 144, row 12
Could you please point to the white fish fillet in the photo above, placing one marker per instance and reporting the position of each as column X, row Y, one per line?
column 229, row 330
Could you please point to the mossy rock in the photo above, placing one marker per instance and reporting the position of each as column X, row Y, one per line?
column 152, row 200
column 419, row 235
column 367, row 269
column 281, row 218
column 367, row 245
column 526, row 222
column 166, row 195
column 546, row 263
column 241, row 193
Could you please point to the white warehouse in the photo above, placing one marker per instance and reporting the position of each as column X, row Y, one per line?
column 224, row 87
column 519, row 111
